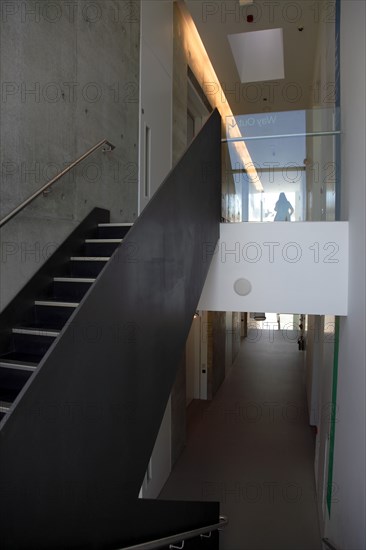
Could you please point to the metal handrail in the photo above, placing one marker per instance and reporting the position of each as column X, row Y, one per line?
column 56, row 178
column 179, row 537
column 329, row 544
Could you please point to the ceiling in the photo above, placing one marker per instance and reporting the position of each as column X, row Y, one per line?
column 217, row 19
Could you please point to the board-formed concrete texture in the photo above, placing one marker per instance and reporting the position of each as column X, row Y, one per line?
column 299, row 267
column 69, row 78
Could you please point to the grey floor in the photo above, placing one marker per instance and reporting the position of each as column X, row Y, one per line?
column 251, row 448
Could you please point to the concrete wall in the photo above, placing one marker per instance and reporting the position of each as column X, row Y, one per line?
column 346, row 525
column 69, row 78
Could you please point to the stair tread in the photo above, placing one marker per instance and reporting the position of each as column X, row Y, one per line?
column 8, row 396
column 51, row 311
column 129, row 224
column 21, row 357
column 101, row 241
column 90, row 258
column 36, row 331
column 73, row 280
column 17, row 365
column 56, row 303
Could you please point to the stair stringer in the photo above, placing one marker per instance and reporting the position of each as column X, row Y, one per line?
column 75, row 448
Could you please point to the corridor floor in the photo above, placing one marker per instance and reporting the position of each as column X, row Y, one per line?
column 251, row 448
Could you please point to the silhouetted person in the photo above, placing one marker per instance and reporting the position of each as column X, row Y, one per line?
column 283, row 209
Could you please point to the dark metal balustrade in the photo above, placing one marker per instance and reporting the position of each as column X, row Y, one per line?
column 75, row 446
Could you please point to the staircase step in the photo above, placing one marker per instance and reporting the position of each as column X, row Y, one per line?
column 113, row 230
column 56, row 303
column 4, row 408
column 19, row 357
column 35, row 330
column 30, row 331
column 101, row 247
column 87, row 266
column 17, row 365
column 11, row 383
column 106, row 241
column 71, row 288
column 74, row 280
column 52, row 314
column 89, row 258
column 8, row 396
column 33, row 340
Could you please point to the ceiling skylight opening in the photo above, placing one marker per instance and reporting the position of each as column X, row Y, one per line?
column 258, row 55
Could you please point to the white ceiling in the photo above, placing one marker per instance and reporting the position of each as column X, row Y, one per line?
column 217, row 19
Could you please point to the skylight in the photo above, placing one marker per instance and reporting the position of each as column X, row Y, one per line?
column 258, row 55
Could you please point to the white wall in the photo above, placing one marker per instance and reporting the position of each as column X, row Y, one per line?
column 156, row 73
column 228, row 341
column 156, row 70
column 321, row 206
column 321, row 400
column 160, row 462
column 282, row 263
column 193, row 361
column 346, row 526
column 313, row 354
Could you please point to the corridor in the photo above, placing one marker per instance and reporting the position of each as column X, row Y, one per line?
column 251, row 448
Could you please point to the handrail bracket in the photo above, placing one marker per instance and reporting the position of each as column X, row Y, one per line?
column 108, row 147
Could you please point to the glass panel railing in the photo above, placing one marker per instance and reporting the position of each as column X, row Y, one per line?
column 280, row 166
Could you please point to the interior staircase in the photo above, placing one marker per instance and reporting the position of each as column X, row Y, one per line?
column 89, row 351
column 38, row 328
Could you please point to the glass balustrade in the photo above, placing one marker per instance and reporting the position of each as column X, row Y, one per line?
column 281, row 167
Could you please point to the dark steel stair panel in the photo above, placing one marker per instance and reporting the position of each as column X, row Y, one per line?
column 29, row 342
column 80, row 490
